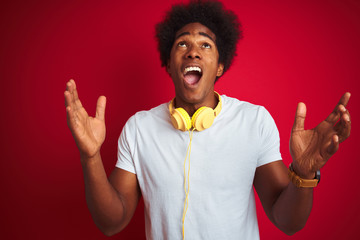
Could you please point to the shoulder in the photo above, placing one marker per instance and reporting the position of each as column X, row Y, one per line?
column 238, row 107
column 158, row 114
column 251, row 117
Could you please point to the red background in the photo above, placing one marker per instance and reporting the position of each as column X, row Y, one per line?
column 292, row 51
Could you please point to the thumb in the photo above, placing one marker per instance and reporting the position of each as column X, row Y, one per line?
column 299, row 117
column 100, row 108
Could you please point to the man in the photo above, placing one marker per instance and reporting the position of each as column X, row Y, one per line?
column 232, row 145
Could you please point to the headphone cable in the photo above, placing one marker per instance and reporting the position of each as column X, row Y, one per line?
column 186, row 182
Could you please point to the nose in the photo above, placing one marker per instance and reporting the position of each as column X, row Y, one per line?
column 193, row 53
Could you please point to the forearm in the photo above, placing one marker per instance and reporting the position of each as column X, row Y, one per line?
column 287, row 206
column 104, row 203
column 292, row 208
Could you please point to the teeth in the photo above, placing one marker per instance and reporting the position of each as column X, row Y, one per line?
column 189, row 69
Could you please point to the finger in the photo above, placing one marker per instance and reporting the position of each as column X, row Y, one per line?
column 300, row 117
column 100, row 108
column 74, row 90
column 345, row 99
column 71, row 87
column 343, row 127
column 334, row 145
column 71, row 121
column 68, row 85
column 69, row 95
column 335, row 114
column 68, row 98
column 344, row 115
column 75, row 94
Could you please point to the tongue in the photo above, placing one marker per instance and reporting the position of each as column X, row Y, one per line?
column 192, row 78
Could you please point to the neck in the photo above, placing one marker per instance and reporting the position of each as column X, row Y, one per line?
column 191, row 108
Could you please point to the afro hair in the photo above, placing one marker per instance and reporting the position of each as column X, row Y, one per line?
column 223, row 23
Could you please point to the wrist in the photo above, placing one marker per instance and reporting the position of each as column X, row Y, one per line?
column 86, row 159
column 301, row 182
column 305, row 175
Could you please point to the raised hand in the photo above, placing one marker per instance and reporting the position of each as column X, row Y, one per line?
column 311, row 149
column 88, row 132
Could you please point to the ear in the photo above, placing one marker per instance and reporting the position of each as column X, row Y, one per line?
column 220, row 70
column 168, row 68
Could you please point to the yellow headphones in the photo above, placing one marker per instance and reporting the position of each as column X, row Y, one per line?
column 202, row 119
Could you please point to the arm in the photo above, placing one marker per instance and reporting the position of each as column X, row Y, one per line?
column 287, row 206
column 111, row 202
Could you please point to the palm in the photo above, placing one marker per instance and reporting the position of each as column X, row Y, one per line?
column 310, row 149
column 88, row 132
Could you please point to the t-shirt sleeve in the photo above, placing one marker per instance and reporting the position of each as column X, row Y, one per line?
column 269, row 139
column 126, row 146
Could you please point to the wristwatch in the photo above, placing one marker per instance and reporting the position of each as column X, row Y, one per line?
column 301, row 182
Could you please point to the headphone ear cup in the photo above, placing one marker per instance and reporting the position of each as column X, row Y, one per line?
column 203, row 118
column 180, row 119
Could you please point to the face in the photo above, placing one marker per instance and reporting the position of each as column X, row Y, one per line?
column 193, row 66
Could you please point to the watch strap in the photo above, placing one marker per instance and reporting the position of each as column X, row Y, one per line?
column 301, row 182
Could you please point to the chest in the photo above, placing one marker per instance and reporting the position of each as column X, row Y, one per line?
column 216, row 161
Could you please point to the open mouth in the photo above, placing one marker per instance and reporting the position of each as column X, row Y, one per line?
column 192, row 75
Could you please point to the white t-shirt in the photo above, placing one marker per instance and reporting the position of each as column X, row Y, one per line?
column 223, row 163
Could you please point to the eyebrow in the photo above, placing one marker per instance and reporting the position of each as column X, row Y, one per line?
column 200, row 33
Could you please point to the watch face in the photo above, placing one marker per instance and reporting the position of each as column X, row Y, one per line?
column 317, row 176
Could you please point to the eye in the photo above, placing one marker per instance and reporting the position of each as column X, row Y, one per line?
column 182, row 44
column 206, row 45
